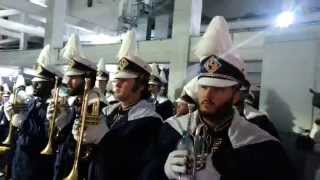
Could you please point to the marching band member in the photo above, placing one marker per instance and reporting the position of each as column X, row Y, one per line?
column 187, row 100
column 163, row 77
column 163, row 105
column 251, row 114
column 4, row 125
column 125, row 135
column 102, row 77
column 79, row 68
column 226, row 146
column 32, row 128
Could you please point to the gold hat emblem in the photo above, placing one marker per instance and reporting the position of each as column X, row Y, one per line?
column 38, row 69
column 72, row 63
column 212, row 65
column 99, row 73
column 123, row 63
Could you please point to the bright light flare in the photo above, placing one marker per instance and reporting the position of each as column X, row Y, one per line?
column 285, row 19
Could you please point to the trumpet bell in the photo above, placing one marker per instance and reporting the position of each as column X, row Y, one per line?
column 73, row 174
column 4, row 150
column 9, row 137
column 47, row 150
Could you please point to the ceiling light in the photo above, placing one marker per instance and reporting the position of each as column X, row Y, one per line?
column 284, row 19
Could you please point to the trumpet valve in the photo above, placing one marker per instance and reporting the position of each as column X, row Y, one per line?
column 92, row 120
column 19, row 107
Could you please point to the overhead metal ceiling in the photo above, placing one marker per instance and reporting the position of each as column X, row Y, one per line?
column 103, row 18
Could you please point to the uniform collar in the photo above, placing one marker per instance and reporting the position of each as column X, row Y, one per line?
column 140, row 110
column 240, row 132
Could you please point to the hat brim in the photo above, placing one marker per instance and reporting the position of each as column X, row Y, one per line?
column 140, row 62
column 216, row 82
column 154, row 83
column 74, row 72
column 179, row 100
column 33, row 73
column 38, row 79
column 125, row 75
column 101, row 78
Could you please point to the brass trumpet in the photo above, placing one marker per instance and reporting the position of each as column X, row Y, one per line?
column 186, row 142
column 202, row 143
column 48, row 150
column 4, row 150
column 89, row 116
column 197, row 146
column 16, row 108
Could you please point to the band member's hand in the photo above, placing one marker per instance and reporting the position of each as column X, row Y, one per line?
column 176, row 164
column 76, row 129
column 8, row 110
column 62, row 115
column 63, row 118
column 94, row 133
column 50, row 110
column 18, row 118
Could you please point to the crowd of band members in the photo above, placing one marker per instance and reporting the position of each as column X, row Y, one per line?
column 137, row 134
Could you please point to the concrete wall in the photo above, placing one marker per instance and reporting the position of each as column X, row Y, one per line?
column 244, row 7
column 103, row 12
column 240, row 8
column 290, row 64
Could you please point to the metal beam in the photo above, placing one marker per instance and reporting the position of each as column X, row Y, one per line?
column 6, row 41
column 151, row 51
column 8, row 12
column 9, row 33
column 29, row 29
column 30, row 8
column 38, row 18
column 23, row 6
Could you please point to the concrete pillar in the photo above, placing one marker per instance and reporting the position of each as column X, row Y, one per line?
column 183, row 27
column 55, row 26
column 23, row 42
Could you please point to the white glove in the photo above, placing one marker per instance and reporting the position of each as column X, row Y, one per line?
column 18, row 118
column 176, row 164
column 62, row 117
column 8, row 110
column 94, row 133
column 75, row 129
column 50, row 110
column 21, row 97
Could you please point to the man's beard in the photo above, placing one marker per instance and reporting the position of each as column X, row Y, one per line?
column 225, row 110
column 76, row 91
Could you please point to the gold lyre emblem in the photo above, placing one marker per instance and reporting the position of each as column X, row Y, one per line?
column 72, row 63
column 123, row 63
column 212, row 65
column 38, row 69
